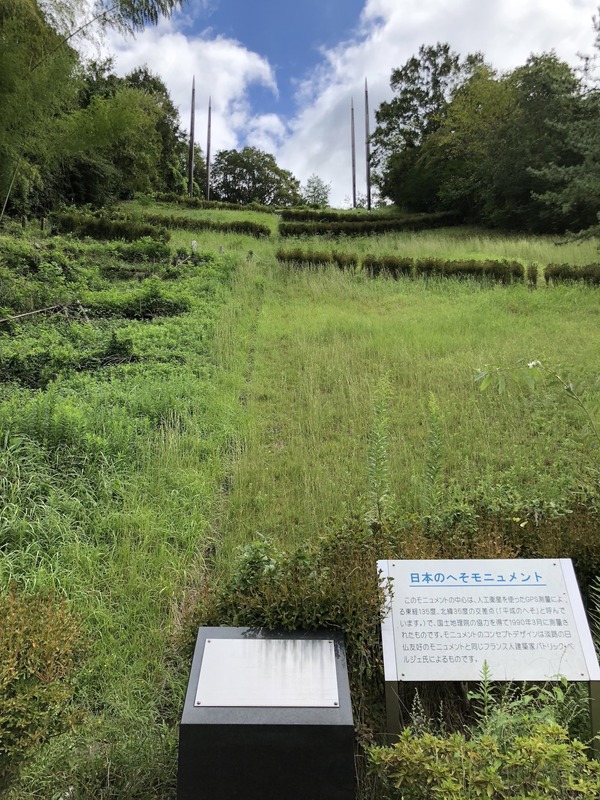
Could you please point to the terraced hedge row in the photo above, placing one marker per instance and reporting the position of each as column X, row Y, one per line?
column 300, row 258
column 499, row 271
column 198, row 202
column 107, row 228
column 567, row 273
column 327, row 215
column 368, row 227
column 198, row 225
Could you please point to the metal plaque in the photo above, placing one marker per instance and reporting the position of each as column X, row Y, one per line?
column 298, row 673
column 523, row 618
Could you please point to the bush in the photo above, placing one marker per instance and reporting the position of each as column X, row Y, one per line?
column 332, row 584
column 298, row 258
column 197, row 225
column 150, row 301
column 367, row 225
column 198, row 202
column 98, row 227
column 567, row 273
column 516, row 749
column 390, row 265
column 39, row 639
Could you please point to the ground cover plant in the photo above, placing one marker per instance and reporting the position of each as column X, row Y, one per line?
column 246, row 459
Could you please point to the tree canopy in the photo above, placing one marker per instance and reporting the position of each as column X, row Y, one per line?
column 54, row 110
column 252, row 176
column 517, row 150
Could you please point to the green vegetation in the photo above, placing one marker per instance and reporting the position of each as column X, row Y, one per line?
column 516, row 150
column 194, row 433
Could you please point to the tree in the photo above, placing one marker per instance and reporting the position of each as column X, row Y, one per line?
column 37, row 67
column 172, row 166
column 423, row 87
column 30, row 101
column 573, row 185
column 316, row 192
column 252, row 176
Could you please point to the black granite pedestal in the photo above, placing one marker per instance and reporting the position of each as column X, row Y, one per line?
column 267, row 716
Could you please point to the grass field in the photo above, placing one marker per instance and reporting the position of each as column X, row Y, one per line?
column 281, row 404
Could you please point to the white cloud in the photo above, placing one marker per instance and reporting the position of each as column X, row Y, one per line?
column 222, row 67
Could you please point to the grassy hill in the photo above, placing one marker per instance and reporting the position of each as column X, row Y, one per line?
column 180, row 402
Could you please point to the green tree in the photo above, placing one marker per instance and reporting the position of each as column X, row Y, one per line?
column 316, row 192
column 172, row 167
column 422, row 88
column 30, row 100
column 252, row 176
column 573, row 183
column 38, row 69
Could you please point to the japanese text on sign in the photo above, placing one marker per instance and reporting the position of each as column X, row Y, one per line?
column 448, row 618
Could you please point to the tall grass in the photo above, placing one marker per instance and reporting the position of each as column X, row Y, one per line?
column 283, row 403
column 324, row 343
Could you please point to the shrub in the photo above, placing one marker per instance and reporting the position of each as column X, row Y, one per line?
column 197, row 225
column 39, row 641
column 151, row 300
column 532, row 275
column 297, row 257
column 566, row 273
column 198, row 202
column 367, row 225
column 516, row 749
column 98, row 227
column 329, row 584
column 388, row 264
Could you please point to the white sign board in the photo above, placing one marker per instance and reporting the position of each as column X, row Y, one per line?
column 298, row 673
column 524, row 618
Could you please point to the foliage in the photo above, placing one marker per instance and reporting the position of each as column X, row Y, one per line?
column 325, row 215
column 103, row 227
column 567, row 273
column 252, row 176
column 316, row 192
column 516, row 150
column 368, row 226
column 422, row 87
column 328, row 584
column 186, row 223
column 299, row 257
column 516, row 749
column 39, row 643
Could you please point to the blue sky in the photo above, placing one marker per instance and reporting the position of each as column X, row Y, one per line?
column 291, row 35
column 282, row 73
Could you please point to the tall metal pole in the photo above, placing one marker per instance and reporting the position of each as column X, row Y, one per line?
column 191, row 150
column 208, row 149
column 368, row 146
column 353, row 136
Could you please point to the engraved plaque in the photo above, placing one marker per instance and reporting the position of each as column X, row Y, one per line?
column 292, row 673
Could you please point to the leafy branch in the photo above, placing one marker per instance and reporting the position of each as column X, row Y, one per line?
column 528, row 373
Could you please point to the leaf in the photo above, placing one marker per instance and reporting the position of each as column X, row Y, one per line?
column 501, row 383
column 485, row 382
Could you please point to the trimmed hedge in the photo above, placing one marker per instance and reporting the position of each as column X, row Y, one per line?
column 198, row 202
column 326, row 215
column 98, row 227
column 299, row 258
column 197, row 225
column 567, row 273
column 396, row 267
column 369, row 226
column 388, row 265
